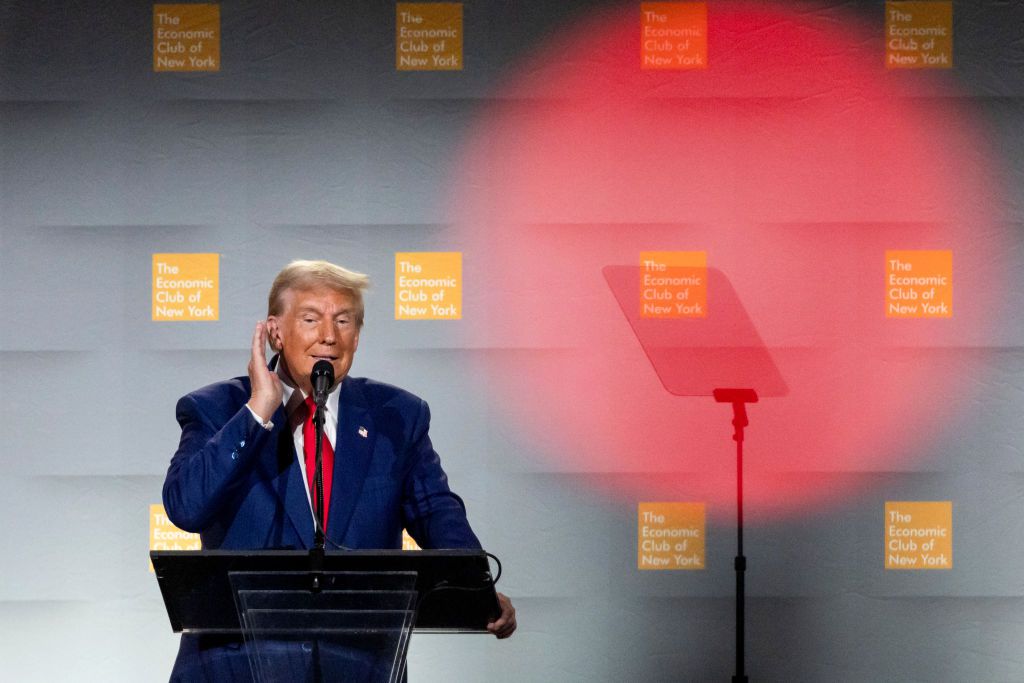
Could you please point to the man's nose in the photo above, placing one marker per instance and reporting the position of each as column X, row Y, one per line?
column 327, row 332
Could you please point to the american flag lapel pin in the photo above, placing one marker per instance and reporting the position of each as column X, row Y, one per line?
column 362, row 432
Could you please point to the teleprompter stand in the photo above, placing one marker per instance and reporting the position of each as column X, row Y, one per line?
column 697, row 357
column 739, row 398
column 326, row 616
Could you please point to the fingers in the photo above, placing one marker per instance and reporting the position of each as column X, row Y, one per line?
column 505, row 624
column 259, row 343
column 503, row 627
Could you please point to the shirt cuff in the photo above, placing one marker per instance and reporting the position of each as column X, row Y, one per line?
column 268, row 425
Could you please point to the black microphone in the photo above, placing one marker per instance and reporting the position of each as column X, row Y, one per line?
column 322, row 378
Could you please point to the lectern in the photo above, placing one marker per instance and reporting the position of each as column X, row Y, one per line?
column 328, row 615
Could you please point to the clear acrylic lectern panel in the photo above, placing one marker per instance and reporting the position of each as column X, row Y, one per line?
column 350, row 626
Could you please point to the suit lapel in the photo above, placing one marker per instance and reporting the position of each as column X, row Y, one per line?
column 288, row 483
column 353, row 451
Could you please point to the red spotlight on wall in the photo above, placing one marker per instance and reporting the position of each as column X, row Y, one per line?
column 795, row 160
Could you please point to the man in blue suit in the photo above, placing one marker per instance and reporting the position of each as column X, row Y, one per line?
column 240, row 475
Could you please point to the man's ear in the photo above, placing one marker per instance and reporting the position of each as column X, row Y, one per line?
column 274, row 333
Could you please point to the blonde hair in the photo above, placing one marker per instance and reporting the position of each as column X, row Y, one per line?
column 304, row 275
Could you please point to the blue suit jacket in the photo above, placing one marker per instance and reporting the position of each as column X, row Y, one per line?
column 240, row 487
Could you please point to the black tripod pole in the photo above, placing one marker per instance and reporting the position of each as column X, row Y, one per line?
column 739, row 422
column 739, row 398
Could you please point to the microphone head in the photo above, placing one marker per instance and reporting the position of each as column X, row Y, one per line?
column 322, row 379
column 322, row 369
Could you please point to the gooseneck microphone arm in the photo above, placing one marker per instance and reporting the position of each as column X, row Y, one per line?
column 322, row 379
column 318, row 478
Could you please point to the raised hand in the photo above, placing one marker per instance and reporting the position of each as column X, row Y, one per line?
column 266, row 385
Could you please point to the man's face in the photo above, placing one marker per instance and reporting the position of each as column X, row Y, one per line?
column 318, row 323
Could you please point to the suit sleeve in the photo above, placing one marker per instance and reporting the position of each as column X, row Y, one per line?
column 433, row 514
column 211, row 464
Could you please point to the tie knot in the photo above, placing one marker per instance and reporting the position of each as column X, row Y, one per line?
column 301, row 411
column 310, row 408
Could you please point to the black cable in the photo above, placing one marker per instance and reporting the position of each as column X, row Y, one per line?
column 494, row 582
column 445, row 586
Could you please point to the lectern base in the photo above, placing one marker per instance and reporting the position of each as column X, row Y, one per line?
column 336, row 626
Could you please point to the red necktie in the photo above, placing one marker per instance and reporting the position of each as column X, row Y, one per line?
column 309, row 448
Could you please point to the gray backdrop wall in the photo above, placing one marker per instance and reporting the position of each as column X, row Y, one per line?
column 308, row 143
